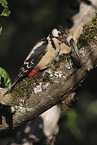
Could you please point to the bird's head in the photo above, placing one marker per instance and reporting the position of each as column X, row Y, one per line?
column 61, row 35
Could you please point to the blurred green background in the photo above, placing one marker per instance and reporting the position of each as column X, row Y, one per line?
column 29, row 21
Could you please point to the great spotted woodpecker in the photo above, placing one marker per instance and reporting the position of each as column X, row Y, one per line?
column 42, row 54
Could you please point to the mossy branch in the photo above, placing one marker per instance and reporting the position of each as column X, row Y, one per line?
column 32, row 96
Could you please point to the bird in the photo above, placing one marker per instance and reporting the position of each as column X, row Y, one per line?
column 42, row 54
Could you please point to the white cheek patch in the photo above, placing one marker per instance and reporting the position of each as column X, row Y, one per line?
column 55, row 32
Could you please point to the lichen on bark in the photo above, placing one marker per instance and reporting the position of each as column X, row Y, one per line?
column 32, row 96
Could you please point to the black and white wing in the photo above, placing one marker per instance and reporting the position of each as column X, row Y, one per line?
column 32, row 59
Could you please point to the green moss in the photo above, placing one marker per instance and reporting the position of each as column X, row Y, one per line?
column 89, row 33
column 22, row 91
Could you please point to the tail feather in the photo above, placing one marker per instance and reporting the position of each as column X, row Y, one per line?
column 15, row 82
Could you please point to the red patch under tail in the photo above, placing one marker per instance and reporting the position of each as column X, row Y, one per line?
column 33, row 72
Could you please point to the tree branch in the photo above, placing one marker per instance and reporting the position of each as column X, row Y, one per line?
column 32, row 96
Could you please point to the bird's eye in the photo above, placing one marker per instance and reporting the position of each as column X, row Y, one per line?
column 59, row 34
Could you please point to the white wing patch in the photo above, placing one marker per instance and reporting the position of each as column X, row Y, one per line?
column 35, row 47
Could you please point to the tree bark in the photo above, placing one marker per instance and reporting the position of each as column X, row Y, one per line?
column 32, row 96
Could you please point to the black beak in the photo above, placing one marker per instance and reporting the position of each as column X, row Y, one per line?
column 65, row 41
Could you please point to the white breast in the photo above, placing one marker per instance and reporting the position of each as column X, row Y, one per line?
column 49, row 56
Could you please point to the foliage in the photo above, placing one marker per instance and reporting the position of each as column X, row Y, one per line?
column 3, row 73
column 0, row 30
column 6, row 11
column 72, row 124
column 5, row 76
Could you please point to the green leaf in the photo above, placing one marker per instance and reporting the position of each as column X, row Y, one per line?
column 7, row 80
column 72, row 125
column 4, row 3
column 6, row 12
column 0, row 79
column 0, row 30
